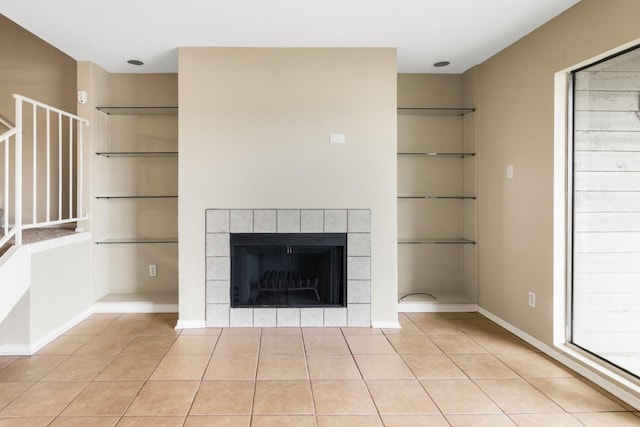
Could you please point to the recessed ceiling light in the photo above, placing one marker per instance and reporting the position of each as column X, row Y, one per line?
column 135, row 62
column 441, row 64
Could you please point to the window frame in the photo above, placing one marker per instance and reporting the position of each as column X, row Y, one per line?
column 570, row 220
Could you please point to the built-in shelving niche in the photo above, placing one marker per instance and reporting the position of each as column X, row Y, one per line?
column 437, row 248
column 136, row 199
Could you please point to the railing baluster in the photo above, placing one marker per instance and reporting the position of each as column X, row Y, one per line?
column 80, row 211
column 18, row 178
column 7, row 163
column 48, row 165
column 70, row 167
column 59, row 166
column 35, row 165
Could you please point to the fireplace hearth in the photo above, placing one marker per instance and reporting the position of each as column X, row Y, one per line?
column 288, row 269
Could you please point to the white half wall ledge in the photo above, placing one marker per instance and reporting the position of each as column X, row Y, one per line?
column 566, row 357
column 46, row 245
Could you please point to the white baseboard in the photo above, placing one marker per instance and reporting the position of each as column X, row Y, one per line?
column 15, row 350
column 133, row 307
column 59, row 331
column 27, row 350
column 421, row 307
column 386, row 325
column 191, row 324
column 565, row 356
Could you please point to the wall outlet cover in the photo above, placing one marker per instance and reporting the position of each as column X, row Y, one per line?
column 337, row 138
column 532, row 299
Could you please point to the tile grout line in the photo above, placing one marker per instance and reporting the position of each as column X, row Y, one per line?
column 362, row 375
column 474, row 380
column 88, row 383
column 306, row 364
column 442, row 414
column 204, row 371
column 255, row 379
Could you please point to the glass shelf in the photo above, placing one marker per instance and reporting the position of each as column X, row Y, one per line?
column 432, row 154
column 439, row 197
column 434, row 111
column 137, row 153
column 137, row 197
column 137, row 240
column 139, row 111
column 436, row 241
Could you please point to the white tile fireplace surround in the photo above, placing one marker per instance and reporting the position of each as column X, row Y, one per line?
column 356, row 223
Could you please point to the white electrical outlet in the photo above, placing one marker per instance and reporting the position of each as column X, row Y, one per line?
column 532, row 299
column 153, row 270
column 509, row 171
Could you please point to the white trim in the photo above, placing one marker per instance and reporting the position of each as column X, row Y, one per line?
column 9, row 253
column 561, row 196
column 15, row 350
column 603, row 55
column 191, row 324
column 134, row 307
column 421, row 307
column 6, row 123
column 22, row 98
column 614, row 384
column 53, row 223
column 386, row 325
column 61, row 330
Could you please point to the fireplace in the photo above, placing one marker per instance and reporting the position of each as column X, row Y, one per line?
column 288, row 269
column 284, row 298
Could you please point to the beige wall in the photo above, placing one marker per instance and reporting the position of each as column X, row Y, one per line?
column 254, row 133
column 95, row 81
column 515, row 125
column 33, row 68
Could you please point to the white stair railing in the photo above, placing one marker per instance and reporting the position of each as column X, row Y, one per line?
column 55, row 171
column 5, row 123
column 6, row 140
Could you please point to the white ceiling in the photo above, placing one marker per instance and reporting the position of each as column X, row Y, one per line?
column 108, row 32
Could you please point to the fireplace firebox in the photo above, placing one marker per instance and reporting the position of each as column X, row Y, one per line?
column 288, row 270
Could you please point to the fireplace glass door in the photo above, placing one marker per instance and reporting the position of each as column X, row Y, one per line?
column 288, row 270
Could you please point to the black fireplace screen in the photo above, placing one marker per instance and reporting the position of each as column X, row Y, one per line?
column 288, row 270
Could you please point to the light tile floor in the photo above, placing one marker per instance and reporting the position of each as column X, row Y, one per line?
column 438, row 370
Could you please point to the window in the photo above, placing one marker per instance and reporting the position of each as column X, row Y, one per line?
column 605, row 285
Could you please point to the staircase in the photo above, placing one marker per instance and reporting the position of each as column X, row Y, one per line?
column 41, row 194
